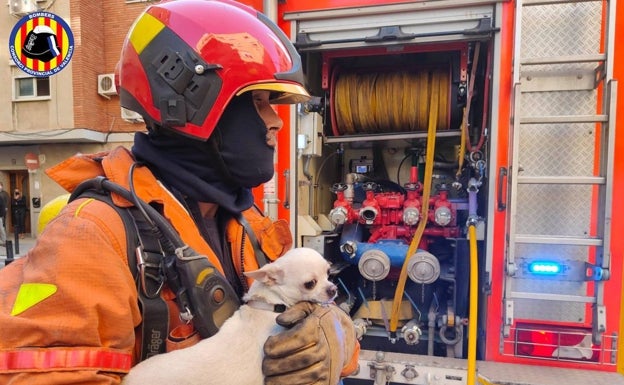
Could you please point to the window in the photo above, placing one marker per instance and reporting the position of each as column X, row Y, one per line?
column 31, row 88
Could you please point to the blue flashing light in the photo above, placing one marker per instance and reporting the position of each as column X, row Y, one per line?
column 545, row 268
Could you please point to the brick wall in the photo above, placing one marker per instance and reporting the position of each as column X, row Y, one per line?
column 99, row 29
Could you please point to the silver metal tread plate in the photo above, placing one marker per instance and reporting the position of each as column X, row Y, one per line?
column 433, row 370
column 498, row 373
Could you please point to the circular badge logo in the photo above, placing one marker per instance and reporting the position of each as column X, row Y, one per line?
column 41, row 44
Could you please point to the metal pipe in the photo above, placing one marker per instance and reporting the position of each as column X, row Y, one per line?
column 269, row 8
column 431, row 334
column 473, row 189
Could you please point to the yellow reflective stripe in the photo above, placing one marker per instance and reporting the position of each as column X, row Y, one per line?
column 30, row 294
column 203, row 274
column 83, row 204
column 144, row 30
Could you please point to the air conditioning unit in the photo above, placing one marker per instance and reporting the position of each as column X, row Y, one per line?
column 131, row 116
column 106, row 85
column 21, row 7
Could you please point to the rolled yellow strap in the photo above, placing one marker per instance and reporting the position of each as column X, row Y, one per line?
column 431, row 138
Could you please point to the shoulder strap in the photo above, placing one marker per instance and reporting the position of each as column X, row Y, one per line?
column 189, row 274
column 261, row 258
column 126, row 218
column 150, row 279
column 145, row 260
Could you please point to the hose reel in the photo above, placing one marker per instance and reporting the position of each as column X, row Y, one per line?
column 388, row 102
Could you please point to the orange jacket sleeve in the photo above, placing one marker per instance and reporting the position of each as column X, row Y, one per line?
column 71, row 299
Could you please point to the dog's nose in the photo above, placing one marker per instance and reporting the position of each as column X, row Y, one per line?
column 332, row 291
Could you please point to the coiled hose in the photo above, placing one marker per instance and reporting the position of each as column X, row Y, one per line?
column 371, row 103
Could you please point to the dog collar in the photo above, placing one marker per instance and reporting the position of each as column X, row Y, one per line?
column 279, row 308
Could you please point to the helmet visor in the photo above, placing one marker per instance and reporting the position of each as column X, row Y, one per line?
column 282, row 93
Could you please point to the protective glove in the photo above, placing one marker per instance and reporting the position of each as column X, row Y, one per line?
column 318, row 347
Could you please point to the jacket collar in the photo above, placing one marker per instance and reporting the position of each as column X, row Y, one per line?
column 115, row 165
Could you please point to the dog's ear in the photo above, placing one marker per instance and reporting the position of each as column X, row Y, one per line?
column 269, row 274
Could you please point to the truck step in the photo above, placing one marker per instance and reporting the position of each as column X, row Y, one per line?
column 564, row 119
column 588, row 180
column 377, row 368
column 498, row 373
column 569, row 59
column 558, row 240
column 528, row 3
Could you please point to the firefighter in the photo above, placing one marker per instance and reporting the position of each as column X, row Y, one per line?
column 77, row 308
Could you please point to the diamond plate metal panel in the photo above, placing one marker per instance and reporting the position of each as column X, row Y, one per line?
column 561, row 30
column 549, row 286
column 563, row 210
column 557, row 150
column 549, row 311
column 558, row 103
column 559, row 253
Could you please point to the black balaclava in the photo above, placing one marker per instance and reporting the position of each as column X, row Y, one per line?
column 222, row 170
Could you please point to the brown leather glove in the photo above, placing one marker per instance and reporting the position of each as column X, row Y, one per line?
column 319, row 347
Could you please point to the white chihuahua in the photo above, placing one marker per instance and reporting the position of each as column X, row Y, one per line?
column 234, row 355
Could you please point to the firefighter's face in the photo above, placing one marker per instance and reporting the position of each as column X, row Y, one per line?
column 270, row 118
column 246, row 139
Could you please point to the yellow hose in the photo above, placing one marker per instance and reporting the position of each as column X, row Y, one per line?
column 431, row 136
column 472, row 312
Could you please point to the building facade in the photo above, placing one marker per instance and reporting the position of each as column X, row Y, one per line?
column 44, row 120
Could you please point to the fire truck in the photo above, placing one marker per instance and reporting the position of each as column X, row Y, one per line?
column 459, row 166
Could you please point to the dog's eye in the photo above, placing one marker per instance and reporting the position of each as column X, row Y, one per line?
column 310, row 284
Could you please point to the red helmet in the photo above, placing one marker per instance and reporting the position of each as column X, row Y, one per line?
column 183, row 61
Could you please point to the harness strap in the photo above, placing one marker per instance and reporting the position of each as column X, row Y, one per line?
column 261, row 258
column 65, row 359
column 155, row 326
column 144, row 251
column 154, row 310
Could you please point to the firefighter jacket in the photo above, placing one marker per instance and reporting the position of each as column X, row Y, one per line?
column 69, row 309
